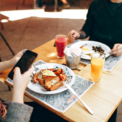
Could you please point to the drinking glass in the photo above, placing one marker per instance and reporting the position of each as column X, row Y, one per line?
column 61, row 42
column 97, row 64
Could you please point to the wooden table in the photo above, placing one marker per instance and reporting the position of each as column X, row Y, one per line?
column 103, row 97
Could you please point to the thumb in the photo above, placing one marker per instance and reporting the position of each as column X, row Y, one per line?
column 17, row 71
column 30, row 71
column 20, row 53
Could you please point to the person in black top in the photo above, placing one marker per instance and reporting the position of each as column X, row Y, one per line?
column 40, row 5
column 103, row 24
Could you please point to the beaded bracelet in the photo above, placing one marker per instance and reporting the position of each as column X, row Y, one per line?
column 82, row 35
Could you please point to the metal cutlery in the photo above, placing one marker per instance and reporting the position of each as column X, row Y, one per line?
column 111, row 53
column 73, row 54
column 88, row 109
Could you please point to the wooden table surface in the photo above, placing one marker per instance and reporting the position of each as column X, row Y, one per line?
column 103, row 97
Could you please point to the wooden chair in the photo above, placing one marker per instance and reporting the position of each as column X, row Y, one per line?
column 17, row 4
column 23, row 3
column 56, row 5
column 34, row 5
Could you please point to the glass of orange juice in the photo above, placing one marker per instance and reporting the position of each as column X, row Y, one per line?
column 97, row 64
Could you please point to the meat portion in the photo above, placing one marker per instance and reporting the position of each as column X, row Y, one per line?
column 62, row 77
column 59, row 71
column 37, row 76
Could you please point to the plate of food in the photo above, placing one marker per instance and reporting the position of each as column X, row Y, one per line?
column 49, row 78
column 89, row 47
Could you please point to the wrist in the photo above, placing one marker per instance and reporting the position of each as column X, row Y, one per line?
column 18, row 96
column 17, row 91
column 12, row 62
column 79, row 35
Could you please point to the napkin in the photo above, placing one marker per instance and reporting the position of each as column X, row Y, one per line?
column 73, row 49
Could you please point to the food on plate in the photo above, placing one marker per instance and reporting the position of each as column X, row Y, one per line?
column 98, row 49
column 84, row 48
column 48, row 72
column 50, row 79
column 87, row 50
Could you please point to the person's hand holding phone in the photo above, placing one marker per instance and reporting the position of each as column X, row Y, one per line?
column 10, row 63
column 16, row 58
column 24, row 62
column 20, row 82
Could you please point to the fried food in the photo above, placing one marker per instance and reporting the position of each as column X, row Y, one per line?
column 50, row 80
column 98, row 49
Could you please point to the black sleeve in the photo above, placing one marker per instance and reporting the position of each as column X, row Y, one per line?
column 18, row 112
column 1, row 119
column 88, row 26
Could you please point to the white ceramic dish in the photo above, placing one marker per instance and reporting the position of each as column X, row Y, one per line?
column 92, row 43
column 39, row 89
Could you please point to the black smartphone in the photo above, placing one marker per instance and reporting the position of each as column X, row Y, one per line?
column 24, row 63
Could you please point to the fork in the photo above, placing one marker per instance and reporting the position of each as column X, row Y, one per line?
column 111, row 53
column 74, row 55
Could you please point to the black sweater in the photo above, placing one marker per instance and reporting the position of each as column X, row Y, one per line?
column 102, row 24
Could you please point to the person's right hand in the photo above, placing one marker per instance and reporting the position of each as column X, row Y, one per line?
column 20, row 82
column 73, row 35
column 117, row 49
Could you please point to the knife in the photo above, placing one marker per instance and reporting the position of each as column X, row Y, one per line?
column 70, row 88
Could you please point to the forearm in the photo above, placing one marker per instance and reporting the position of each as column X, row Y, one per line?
column 5, row 65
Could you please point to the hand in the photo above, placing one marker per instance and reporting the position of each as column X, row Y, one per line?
column 73, row 35
column 20, row 82
column 15, row 59
column 117, row 50
column 10, row 63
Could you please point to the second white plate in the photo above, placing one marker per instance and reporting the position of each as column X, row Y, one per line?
column 92, row 43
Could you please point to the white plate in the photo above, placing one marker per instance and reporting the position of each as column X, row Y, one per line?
column 39, row 89
column 92, row 43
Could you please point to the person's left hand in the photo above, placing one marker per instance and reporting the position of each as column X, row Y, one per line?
column 20, row 82
column 117, row 50
column 15, row 59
